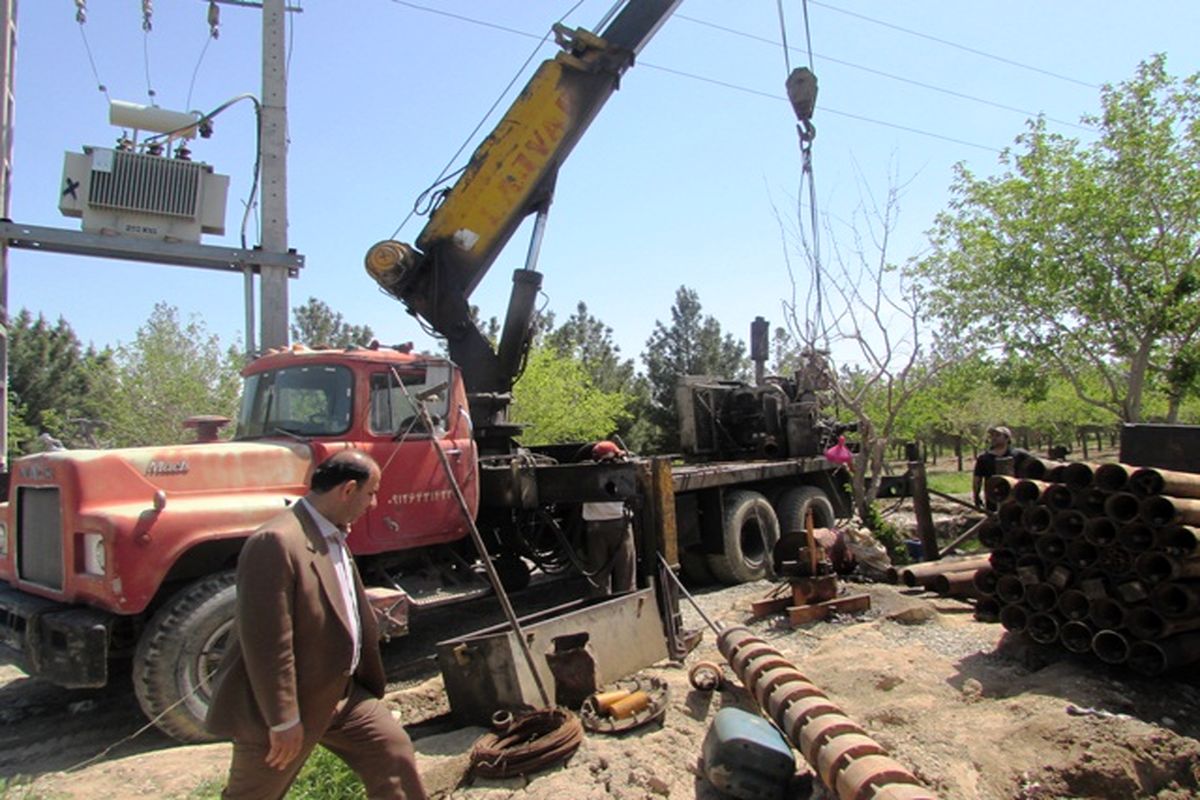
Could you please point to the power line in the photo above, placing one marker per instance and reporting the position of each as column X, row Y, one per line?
column 824, row 109
column 882, row 74
column 714, row 81
column 956, row 45
column 444, row 174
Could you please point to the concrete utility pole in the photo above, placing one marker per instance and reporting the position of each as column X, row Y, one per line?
column 274, row 289
column 8, row 60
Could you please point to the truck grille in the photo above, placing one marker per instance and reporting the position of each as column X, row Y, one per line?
column 39, row 536
column 149, row 184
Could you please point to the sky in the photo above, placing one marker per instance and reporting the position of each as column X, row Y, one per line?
column 684, row 178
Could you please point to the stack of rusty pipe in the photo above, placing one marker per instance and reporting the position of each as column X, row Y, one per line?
column 953, row 577
column 848, row 761
column 1099, row 558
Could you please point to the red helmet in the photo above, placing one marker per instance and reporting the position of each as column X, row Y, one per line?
column 605, row 450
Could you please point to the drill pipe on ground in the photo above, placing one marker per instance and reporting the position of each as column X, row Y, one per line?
column 1100, row 531
column 1074, row 605
column 1041, row 596
column 1038, row 519
column 1123, row 507
column 1058, row 496
column 913, row 574
column 991, row 535
column 1110, row 647
column 1010, row 515
column 960, row 583
column 1146, row 623
column 1147, row 481
column 987, row 609
column 1178, row 540
column 1176, row 599
column 843, row 755
column 1069, row 523
column 1136, row 537
column 1106, row 613
column 1162, row 510
column 1042, row 628
column 985, row 581
column 1027, row 491
column 1079, row 474
column 1155, row 658
column 1155, row 567
column 1091, row 501
column 1038, row 469
column 1113, row 477
column 999, row 488
column 1076, row 636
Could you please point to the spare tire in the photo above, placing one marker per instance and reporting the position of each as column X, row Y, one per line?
column 793, row 506
column 749, row 530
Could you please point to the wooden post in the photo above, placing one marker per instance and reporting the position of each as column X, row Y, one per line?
column 921, row 505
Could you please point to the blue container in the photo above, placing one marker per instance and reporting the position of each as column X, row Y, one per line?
column 745, row 757
column 915, row 551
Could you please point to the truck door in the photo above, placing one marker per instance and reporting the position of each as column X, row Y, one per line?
column 416, row 505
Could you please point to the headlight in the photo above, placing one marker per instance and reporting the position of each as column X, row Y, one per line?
column 95, row 559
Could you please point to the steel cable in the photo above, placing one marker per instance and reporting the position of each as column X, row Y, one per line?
column 534, row 741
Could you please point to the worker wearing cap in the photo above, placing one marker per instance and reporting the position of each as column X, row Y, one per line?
column 999, row 446
column 609, row 534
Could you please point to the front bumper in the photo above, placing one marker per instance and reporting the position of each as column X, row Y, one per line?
column 62, row 644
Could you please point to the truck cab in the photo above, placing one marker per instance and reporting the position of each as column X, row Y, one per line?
column 115, row 553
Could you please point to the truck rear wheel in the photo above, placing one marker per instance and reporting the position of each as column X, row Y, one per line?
column 178, row 655
column 749, row 530
column 793, row 506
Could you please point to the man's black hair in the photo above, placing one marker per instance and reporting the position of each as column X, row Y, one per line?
column 348, row 465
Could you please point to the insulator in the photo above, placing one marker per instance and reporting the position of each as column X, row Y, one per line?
column 81, row 11
column 214, row 19
column 147, row 15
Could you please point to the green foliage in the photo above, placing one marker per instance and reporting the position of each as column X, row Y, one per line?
column 326, row 777
column 588, row 340
column 170, row 371
column 557, row 400
column 887, row 535
column 693, row 344
column 949, row 482
column 323, row 777
column 318, row 325
column 19, row 788
column 51, row 382
column 1083, row 257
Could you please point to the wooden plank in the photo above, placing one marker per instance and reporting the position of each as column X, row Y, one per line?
column 769, row 606
column 814, row 612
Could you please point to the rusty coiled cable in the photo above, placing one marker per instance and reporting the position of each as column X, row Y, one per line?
column 533, row 741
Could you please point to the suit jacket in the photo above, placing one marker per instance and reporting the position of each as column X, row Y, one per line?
column 292, row 650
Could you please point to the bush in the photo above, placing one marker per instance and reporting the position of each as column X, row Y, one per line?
column 888, row 535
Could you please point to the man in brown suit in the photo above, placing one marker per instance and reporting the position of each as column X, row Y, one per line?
column 304, row 668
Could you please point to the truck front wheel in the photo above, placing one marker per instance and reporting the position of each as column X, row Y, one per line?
column 749, row 531
column 178, row 655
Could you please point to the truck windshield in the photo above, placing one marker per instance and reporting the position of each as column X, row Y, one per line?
column 304, row 401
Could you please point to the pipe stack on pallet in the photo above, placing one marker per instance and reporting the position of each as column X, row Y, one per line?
column 1101, row 558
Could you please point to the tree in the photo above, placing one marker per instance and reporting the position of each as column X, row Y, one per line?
column 51, row 381
column 318, row 325
column 169, row 372
column 557, row 400
column 693, row 344
column 589, row 340
column 868, row 305
column 1085, row 256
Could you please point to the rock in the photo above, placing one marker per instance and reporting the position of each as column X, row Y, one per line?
column 913, row 612
column 659, row 786
column 972, row 690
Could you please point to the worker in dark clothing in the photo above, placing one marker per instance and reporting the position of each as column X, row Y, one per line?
column 999, row 446
column 610, row 546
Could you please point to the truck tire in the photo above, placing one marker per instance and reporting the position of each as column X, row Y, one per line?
column 749, row 530
column 793, row 505
column 179, row 652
